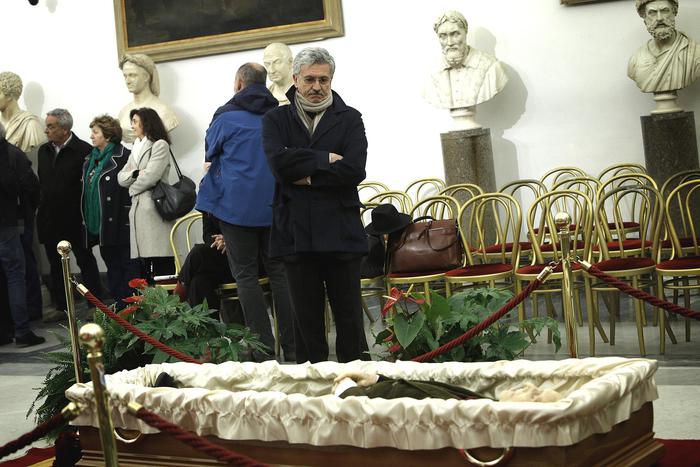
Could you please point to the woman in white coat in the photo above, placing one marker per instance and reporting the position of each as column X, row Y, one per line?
column 148, row 164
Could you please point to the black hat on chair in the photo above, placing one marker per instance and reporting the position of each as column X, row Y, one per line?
column 387, row 219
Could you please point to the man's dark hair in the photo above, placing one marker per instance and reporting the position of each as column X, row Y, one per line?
column 252, row 73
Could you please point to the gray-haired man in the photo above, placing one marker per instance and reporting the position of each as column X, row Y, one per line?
column 316, row 148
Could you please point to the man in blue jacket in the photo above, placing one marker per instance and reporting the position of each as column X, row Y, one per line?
column 237, row 190
column 316, row 147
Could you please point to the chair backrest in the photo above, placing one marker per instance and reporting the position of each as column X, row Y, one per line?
column 650, row 215
column 437, row 207
column 369, row 189
column 186, row 223
column 423, row 188
column 683, row 230
column 619, row 169
column 525, row 191
column 401, row 201
column 628, row 208
column 487, row 222
column 557, row 174
column 675, row 208
column 586, row 185
column 462, row 192
column 542, row 229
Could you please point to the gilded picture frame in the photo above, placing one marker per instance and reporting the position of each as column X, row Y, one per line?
column 176, row 29
column 577, row 2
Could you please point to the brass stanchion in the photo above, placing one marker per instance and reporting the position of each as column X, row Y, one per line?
column 64, row 249
column 563, row 221
column 92, row 338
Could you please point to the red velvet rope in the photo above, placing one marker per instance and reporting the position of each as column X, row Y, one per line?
column 37, row 433
column 136, row 331
column 195, row 441
column 642, row 295
column 512, row 303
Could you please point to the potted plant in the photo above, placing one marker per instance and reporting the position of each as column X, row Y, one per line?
column 415, row 327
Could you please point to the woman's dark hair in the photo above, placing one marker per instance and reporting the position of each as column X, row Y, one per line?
column 110, row 127
column 153, row 127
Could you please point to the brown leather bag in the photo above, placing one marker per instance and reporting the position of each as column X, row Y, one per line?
column 426, row 246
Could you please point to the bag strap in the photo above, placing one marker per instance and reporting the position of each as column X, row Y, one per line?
column 177, row 167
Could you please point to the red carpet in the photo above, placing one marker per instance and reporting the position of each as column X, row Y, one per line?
column 33, row 456
column 680, row 453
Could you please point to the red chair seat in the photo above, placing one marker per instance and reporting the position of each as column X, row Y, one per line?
column 692, row 262
column 524, row 246
column 623, row 264
column 686, row 242
column 626, row 244
column 535, row 269
column 480, row 270
column 625, row 225
column 399, row 275
column 550, row 246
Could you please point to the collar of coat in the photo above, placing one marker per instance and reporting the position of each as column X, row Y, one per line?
column 331, row 118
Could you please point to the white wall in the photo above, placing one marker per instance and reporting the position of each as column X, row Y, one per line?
column 568, row 102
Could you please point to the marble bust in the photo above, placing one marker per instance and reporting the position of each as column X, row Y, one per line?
column 277, row 59
column 141, row 78
column 466, row 76
column 669, row 61
column 23, row 129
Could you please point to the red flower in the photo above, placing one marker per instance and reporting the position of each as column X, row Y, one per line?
column 395, row 348
column 389, row 338
column 394, row 296
column 138, row 283
column 127, row 311
column 134, row 299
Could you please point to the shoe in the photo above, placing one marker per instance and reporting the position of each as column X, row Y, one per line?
column 54, row 316
column 29, row 340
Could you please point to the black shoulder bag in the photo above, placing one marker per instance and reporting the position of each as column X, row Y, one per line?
column 176, row 200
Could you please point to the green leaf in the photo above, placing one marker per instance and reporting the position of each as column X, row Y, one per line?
column 406, row 331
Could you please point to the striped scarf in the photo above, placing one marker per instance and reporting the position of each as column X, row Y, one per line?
column 305, row 107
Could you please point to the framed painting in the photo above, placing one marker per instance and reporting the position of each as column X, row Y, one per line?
column 176, row 29
column 576, row 2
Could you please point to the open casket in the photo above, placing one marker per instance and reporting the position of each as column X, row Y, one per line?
column 285, row 414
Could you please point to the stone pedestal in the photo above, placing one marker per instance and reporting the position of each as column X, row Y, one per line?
column 670, row 144
column 468, row 158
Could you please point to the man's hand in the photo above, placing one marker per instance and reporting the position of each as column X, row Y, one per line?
column 303, row 181
column 219, row 243
column 333, row 158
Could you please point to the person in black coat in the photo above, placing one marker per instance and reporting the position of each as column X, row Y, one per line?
column 316, row 148
column 105, row 206
column 17, row 181
column 60, row 171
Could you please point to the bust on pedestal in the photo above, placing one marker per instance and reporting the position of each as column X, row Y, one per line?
column 277, row 59
column 141, row 77
column 23, row 129
column 669, row 61
column 466, row 77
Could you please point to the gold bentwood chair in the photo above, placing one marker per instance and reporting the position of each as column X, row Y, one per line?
column 542, row 214
column 630, row 259
column 400, row 200
column 557, row 174
column 439, row 208
column 525, row 192
column 676, row 210
column 620, row 169
column 677, row 273
column 369, row 189
column 490, row 256
column 462, row 192
column 423, row 188
column 177, row 238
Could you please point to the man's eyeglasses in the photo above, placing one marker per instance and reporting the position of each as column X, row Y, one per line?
column 323, row 80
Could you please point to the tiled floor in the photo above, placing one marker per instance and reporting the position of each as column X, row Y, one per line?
column 22, row 370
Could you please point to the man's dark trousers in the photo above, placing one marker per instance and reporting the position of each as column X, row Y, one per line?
column 306, row 275
column 12, row 263
column 243, row 247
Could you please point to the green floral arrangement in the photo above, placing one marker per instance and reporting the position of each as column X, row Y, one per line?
column 415, row 327
column 188, row 329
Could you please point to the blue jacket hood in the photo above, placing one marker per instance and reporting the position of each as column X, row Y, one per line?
column 254, row 98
